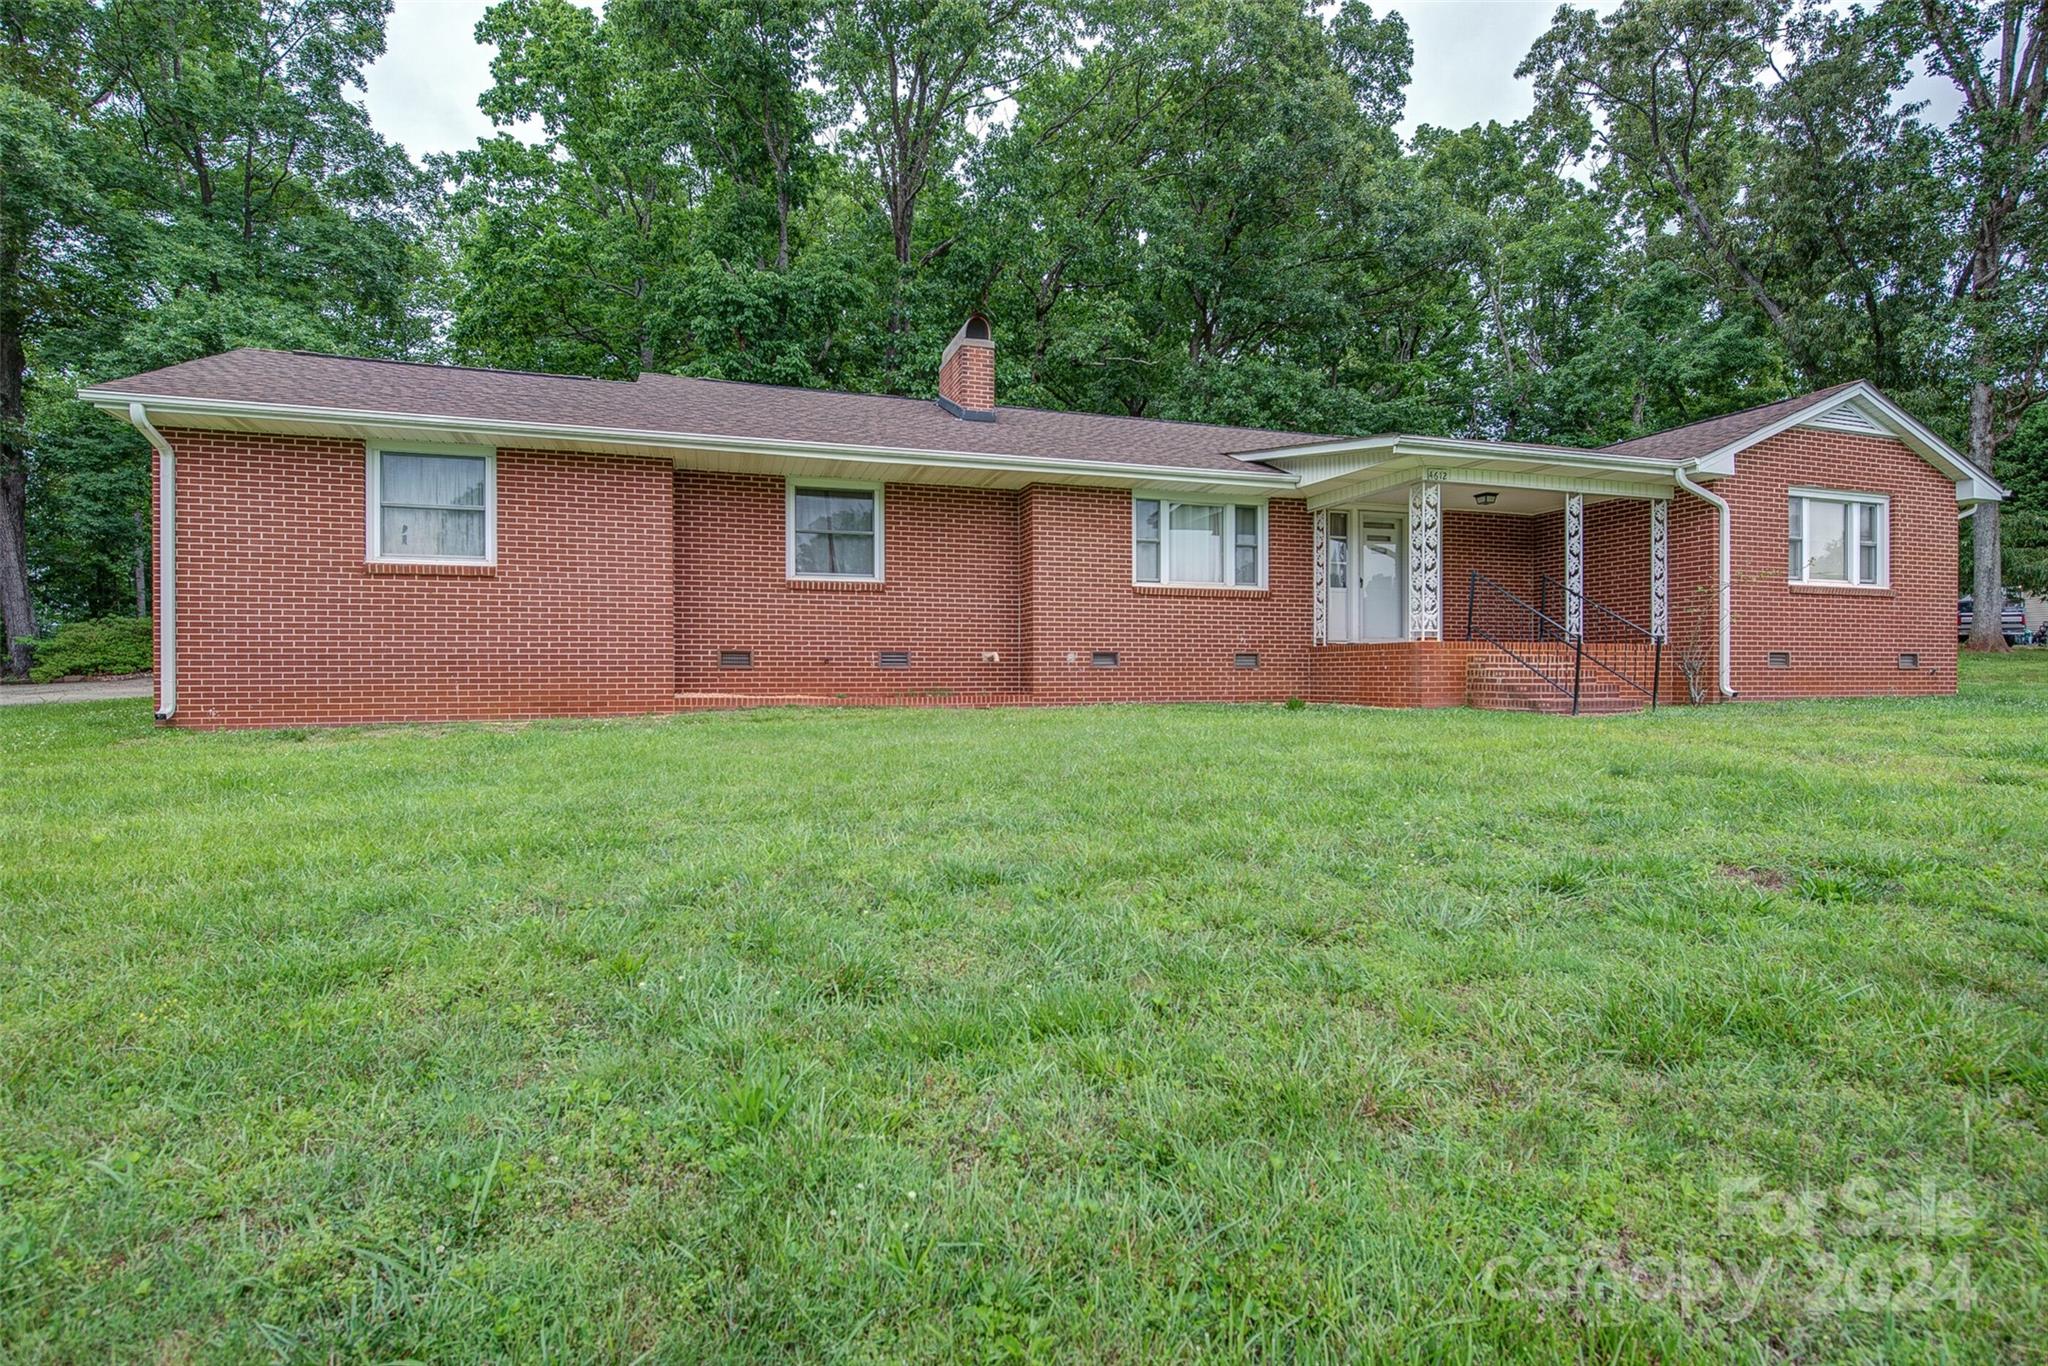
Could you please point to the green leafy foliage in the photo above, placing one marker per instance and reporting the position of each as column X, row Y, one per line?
column 1193, row 210
column 103, row 645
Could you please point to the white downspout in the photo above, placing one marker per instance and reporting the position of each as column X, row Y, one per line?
column 1725, row 596
column 167, row 553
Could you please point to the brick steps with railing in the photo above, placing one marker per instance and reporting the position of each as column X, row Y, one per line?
column 1496, row 680
column 1531, row 661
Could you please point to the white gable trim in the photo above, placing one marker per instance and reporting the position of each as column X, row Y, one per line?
column 1867, row 405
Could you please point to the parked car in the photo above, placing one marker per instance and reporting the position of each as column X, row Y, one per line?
column 2014, row 619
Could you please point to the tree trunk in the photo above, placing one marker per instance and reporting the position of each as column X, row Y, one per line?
column 141, row 563
column 17, row 608
column 1987, row 579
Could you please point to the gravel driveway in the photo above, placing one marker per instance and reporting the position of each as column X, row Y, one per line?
column 92, row 690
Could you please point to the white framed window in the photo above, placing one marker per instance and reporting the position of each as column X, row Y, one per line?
column 431, row 504
column 1838, row 538
column 834, row 529
column 1208, row 544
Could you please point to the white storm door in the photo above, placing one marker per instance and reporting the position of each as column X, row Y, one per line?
column 1376, row 567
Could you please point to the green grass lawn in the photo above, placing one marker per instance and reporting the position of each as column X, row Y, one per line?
column 1123, row 1032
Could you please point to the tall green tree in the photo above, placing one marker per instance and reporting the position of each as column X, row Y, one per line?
column 746, row 114
column 1666, row 91
column 176, row 178
column 1852, row 213
column 911, row 75
column 675, row 213
column 1207, row 215
column 1996, row 150
column 276, row 214
column 568, row 242
column 47, row 202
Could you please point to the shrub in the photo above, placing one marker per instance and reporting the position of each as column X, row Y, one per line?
column 105, row 645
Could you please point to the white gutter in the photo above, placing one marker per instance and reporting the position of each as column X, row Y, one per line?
column 167, row 552
column 700, row 441
column 1725, row 595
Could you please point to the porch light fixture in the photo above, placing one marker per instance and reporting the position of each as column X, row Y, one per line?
column 1485, row 500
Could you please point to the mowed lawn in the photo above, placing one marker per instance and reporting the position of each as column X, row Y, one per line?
column 1139, row 1032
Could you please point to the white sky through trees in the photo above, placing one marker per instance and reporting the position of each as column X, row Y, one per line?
column 422, row 94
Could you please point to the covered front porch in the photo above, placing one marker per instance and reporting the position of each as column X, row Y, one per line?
column 1449, row 573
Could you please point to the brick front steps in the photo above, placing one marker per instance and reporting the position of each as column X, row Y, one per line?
column 1496, row 681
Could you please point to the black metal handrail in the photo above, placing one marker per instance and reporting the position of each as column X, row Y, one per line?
column 1626, row 651
column 1509, row 617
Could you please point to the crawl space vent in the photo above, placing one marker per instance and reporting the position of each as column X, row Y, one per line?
column 1248, row 661
column 1104, row 659
column 893, row 659
column 1778, row 659
column 735, row 659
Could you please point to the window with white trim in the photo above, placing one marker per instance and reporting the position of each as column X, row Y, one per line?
column 835, row 530
column 433, row 505
column 1198, row 544
column 1838, row 538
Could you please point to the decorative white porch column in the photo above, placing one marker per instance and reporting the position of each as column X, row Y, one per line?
column 1425, row 561
column 1660, row 553
column 1574, row 565
column 1322, row 537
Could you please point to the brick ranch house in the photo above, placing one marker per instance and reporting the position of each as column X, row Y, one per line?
column 368, row 541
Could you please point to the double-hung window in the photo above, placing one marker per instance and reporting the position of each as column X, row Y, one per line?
column 1838, row 538
column 835, row 530
column 433, row 505
column 1206, row 544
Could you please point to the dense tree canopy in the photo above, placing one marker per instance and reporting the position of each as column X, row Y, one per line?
column 1194, row 210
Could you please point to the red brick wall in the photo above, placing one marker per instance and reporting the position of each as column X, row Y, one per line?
column 1172, row 643
column 1498, row 545
column 949, row 593
column 1693, row 530
column 1842, row 641
column 620, row 581
column 1391, row 674
column 1617, row 559
column 281, row 622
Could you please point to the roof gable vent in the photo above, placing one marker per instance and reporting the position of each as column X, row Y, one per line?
column 1849, row 417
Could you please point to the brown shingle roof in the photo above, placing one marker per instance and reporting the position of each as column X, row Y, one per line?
column 667, row 405
column 1697, row 439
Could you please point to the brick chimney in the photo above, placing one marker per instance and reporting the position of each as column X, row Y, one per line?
column 967, row 373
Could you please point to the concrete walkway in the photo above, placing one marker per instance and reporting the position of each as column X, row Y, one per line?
column 95, row 690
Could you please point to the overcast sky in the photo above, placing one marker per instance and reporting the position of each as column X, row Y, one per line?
column 423, row 93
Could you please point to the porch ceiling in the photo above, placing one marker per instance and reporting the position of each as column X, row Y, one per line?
column 1384, row 471
column 1458, row 497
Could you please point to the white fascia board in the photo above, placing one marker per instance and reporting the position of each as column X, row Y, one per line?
column 112, row 401
column 1478, row 455
column 1972, row 486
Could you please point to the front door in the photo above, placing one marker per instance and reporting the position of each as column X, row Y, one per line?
column 1367, row 600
